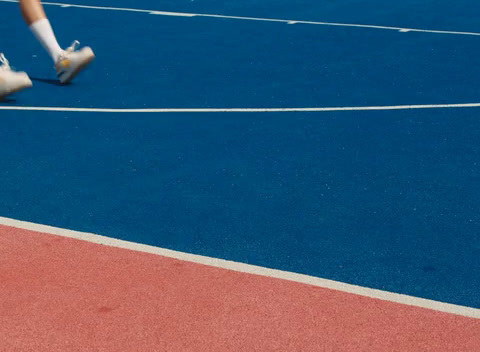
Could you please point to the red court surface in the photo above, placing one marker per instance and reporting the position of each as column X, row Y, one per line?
column 63, row 294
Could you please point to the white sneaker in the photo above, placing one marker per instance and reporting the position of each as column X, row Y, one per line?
column 11, row 81
column 71, row 62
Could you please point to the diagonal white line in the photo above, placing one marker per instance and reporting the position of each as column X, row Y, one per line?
column 250, row 269
column 180, row 14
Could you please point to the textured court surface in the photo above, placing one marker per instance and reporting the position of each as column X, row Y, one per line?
column 380, row 199
column 80, row 296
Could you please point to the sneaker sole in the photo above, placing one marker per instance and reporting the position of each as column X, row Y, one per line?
column 79, row 68
column 16, row 90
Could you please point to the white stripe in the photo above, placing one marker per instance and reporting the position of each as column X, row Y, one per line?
column 177, row 14
column 250, row 269
column 180, row 14
column 241, row 110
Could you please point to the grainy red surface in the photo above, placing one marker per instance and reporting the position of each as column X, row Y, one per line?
column 59, row 294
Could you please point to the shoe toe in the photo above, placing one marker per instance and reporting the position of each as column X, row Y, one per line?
column 22, row 80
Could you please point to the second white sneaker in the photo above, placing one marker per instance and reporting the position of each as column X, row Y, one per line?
column 11, row 81
column 72, row 61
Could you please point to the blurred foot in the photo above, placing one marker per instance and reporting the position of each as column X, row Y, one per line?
column 11, row 81
column 71, row 62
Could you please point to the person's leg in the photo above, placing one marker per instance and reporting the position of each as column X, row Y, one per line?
column 69, row 62
column 34, row 15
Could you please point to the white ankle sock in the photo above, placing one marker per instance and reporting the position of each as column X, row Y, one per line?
column 44, row 34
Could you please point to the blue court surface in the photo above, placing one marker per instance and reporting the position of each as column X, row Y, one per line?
column 387, row 199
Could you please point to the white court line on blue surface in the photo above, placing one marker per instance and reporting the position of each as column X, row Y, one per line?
column 240, row 110
column 250, row 269
column 181, row 14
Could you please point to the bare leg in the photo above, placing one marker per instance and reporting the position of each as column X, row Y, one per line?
column 32, row 11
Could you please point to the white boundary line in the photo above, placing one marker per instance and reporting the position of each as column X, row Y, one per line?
column 250, row 269
column 181, row 14
column 241, row 110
